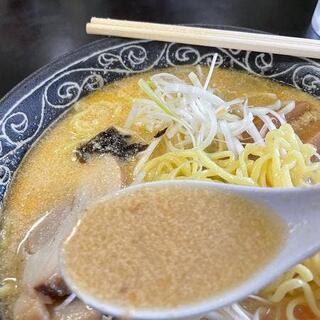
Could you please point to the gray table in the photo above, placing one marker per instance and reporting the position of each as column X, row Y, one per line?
column 34, row 32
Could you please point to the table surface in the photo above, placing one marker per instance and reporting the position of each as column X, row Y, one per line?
column 35, row 32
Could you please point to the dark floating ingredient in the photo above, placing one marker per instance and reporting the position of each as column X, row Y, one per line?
column 161, row 133
column 54, row 288
column 110, row 141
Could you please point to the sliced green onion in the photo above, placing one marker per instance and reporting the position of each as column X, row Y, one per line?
column 151, row 94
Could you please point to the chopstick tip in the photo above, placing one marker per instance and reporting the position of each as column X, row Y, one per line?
column 88, row 25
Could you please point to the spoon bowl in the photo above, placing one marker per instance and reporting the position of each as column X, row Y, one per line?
column 298, row 208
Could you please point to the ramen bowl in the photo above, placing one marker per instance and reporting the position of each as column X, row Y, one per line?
column 41, row 101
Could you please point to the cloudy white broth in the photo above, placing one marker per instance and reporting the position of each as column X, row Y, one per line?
column 162, row 125
column 169, row 246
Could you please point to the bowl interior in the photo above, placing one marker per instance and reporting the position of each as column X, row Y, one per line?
column 41, row 99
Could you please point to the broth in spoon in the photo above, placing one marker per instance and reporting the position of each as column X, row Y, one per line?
column 161, row 247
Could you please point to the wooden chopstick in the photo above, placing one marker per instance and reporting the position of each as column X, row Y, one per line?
column 206, row 37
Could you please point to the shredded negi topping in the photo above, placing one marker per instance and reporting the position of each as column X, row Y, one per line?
column 160, row 133
column 204, row 136
column 110, row 141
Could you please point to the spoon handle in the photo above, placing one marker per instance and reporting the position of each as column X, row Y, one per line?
column 300, row 210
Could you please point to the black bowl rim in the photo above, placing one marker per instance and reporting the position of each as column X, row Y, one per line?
column 79, row 51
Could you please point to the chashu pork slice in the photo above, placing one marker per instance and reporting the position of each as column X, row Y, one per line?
column 76, row 310
column 42, row 282
column 303, row 119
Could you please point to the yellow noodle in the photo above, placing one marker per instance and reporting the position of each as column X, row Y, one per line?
column 6, row 290
column 284, row 161
column 292, row 305
column 298, row 283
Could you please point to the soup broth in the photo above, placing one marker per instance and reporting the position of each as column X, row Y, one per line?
column 166, row 246
column 50, row 173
